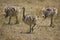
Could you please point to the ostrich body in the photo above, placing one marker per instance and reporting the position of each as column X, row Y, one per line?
column 49, row 12
column 11, row 11
column 29, row 19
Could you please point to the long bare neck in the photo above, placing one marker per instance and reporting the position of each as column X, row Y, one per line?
column 24, row 13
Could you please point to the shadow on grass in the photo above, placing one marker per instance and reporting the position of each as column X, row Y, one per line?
column 9, row 24
column 46, row 26
column 27, row 32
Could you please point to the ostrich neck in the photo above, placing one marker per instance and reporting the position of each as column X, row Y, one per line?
column 23, row 13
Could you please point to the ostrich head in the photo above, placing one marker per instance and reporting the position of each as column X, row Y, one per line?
column 6, row 12
column 44, row 14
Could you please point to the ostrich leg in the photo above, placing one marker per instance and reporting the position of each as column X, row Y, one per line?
column 33, row 27
column 9, row 20
column 30, row 29
column 51, row 24
column 17, row 22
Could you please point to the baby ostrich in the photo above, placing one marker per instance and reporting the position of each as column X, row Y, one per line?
column 11, row 11
column 29, row 19
column 51, row 11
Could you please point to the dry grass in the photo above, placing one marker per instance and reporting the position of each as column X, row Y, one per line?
column 42, row 30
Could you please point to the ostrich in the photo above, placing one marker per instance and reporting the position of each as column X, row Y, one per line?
column 29, row 19
column 11, row 11
column 51, row 11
